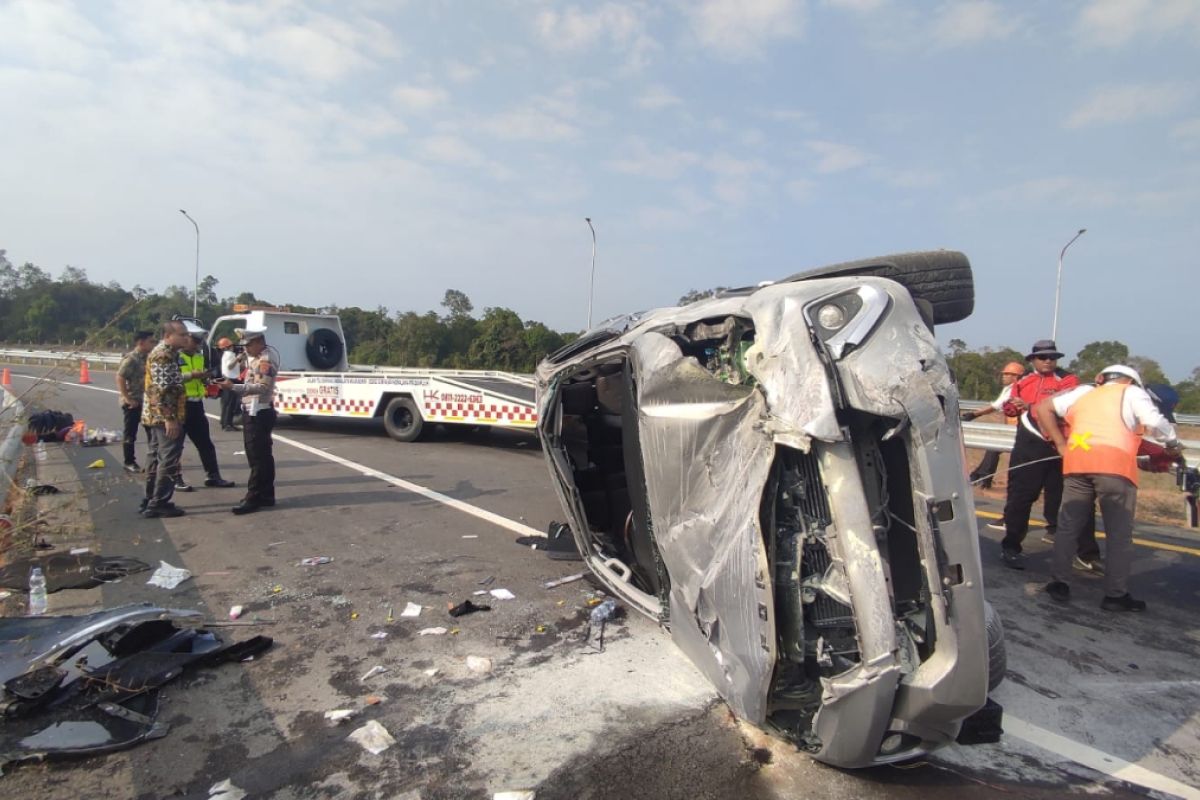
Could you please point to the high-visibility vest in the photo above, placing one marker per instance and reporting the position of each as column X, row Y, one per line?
column 1098, row 440
column 193, row 363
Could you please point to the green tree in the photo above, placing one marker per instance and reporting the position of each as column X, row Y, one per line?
column 1095, row 356
column 457, row 303
column 696, row 295
column 501, row 342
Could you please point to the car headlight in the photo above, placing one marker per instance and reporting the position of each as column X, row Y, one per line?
column 845, row 319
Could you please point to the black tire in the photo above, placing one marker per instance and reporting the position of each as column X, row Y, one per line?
column 942, row 277
column 324, row 349
column 299, row 417
column 997, row 655
column 402, row 420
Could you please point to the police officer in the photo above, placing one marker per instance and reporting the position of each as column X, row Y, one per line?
column 1099, row 450
column 257, row 394
column 195, row 421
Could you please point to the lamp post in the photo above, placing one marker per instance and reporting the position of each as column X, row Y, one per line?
column 196, row 285
column 592, row 282
column 1058, row 286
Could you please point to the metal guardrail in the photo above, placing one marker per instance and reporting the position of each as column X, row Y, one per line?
column 39, row 356
column 1182, row 419
column 989, row 436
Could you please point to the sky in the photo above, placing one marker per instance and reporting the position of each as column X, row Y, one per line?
column 370, row 153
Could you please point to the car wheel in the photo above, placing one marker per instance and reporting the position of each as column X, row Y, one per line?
column 402, row 420
column 997, row 656
column 941, row 277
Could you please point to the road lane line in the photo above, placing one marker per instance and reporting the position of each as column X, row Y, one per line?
column 1173, row 548
column 1098, row 760
column 1059, row 745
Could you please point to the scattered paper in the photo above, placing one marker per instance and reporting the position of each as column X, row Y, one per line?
column 431, row 632
column 225, row 790
column 373, row 738
column 411, row 610
column 168, row 577
column 379, row 635
column 78, row 551
column 479, row 664
column 578, row 576
column 503, row 594
column 314, row 561
column 372, row 672
column 340, row 715
column 478, row 592
column 470, row 536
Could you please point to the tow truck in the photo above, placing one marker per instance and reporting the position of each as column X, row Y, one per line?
column 316, row 380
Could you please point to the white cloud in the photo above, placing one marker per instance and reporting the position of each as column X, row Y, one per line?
column 531, row 125
column 973, row 21
column 451, row 150
column 575, row 30
column 638, row 158
column 856, row 6
column 742, row 29
column 800, row 189
column 836, row 156
column 419, row 98
column 1058, row 191
column 459, row 72
column 1187, row 133
column 49, row 34
column 1127, row 103
column 657, row 97
column 911, row 178
column 1113, row 23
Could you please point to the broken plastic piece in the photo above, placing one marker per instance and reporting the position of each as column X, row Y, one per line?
column 372, row 672
column 168, row 577
column 439, row 631
column 225, row 790
column 429, row 673
column 519, row 794
column 411, row 610
column 373, row 738
column 314, row 561
column 340, row 715
column 503, row 594
column 372, row 700
column 379, row 635
column 467, row 607
column 235, row 611
column 97, row 464
column 479, row 664
column 561, row 581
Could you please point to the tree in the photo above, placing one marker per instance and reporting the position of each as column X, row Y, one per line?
column 1095, row 356
column 457, row 303
column 501, row 342
column 207, row 290
column 73, row 275
column 696, row 295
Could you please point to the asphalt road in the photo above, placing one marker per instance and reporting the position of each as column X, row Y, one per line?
column 1097, row 703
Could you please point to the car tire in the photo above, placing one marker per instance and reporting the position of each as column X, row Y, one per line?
column 941, row 277
column 997, row 655
column 324, row 349
column 402, row 420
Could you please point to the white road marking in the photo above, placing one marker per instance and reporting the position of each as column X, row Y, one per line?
column 1082, row 754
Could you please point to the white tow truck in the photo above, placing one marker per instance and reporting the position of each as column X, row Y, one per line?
column 316, row 380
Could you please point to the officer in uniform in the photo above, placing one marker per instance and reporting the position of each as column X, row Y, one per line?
column 195, row 421
column 257, row 394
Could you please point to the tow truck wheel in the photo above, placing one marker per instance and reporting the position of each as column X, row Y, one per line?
column 997, row 655
column 402, row 420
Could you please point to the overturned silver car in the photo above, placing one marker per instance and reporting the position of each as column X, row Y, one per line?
column 777, row 474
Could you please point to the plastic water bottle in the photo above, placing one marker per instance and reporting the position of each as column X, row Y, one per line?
column 39, row 451
column 37, row 592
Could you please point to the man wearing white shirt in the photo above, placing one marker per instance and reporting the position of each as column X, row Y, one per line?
column 232, row 365
column 1104, row 427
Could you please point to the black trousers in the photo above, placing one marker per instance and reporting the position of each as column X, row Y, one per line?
column 195, row 427
column 256, row 433
column 1034, row 469
column 133, row 418
column 987, row 468
column 229, row 406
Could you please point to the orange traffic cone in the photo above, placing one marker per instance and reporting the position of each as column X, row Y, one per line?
column 84, row 375
column 6, row 378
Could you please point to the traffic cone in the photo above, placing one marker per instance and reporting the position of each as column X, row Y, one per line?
column 84, row 375
column 6, row 378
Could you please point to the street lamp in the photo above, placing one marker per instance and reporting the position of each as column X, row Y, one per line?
column 1058, row 287
column 592, row 282
column 196, row 285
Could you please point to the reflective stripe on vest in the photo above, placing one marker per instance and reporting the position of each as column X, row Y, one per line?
column 192, row 363
column 1098, row 441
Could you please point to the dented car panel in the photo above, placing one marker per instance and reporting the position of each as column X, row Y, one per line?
column 778, row 477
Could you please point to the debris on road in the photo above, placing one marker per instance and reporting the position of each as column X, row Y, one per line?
column 225, row 790
column 429, row 673
column 372, row 672
column 340, row 715
column 479, row 664
column 470, row 536
column 439, row 631
column 70, row 571
column 372, row 700
column 411, row 610
column 520, row 794
column 578, row 576
column 373, row 738
column 601, row 615
column 44, row 488
column 168, row 577
column 97, row 464
column 379, row 635
column 466, row 607
column 235, row 611
column 503, row 594
column 314, row 561
column 488, row 581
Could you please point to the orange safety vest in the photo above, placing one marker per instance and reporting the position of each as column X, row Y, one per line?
column 1098, row 441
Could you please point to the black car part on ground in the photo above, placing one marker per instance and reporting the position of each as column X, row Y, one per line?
column 65, row 571
column 78, row 686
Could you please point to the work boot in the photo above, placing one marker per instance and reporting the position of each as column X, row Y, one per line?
column 1012, row 559
column 1123, row 603
column 217, row 482
column 163, row 511
column 1059, row 591
column 181, row 485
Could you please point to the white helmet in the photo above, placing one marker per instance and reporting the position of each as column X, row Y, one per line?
column 1121, row 369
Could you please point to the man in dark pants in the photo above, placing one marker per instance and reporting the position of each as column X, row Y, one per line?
column 231, row 369
column 195, row 422
column 1035, row 467
column 162, row 414
column 258, row 420
column 131, row 384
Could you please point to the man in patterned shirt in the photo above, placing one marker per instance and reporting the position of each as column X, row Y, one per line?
column 162, row 413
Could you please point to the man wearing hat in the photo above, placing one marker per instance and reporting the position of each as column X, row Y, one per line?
column 1034, row 467
column 231, row 370
column 1104, row 425
column 195, row 422
column 1012, row 372
column 257, row 394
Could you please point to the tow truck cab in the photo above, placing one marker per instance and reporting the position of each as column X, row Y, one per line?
column 304, row 342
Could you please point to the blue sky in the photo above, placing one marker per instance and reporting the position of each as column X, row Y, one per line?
column 377, row 153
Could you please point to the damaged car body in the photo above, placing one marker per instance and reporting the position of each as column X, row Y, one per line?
column 777, row 474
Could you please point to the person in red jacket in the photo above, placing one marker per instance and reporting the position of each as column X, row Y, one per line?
column 1034, row 468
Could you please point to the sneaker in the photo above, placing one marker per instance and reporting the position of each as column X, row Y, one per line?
column 182, row 486
column 1059, row 591
column 218, row 483
column 1092, row 565
column 1012, row 559
column 1048, row 538
column 1123, row 603
column 163, row 511
column 145, row 501
column 997, row 525
column 133, row 467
